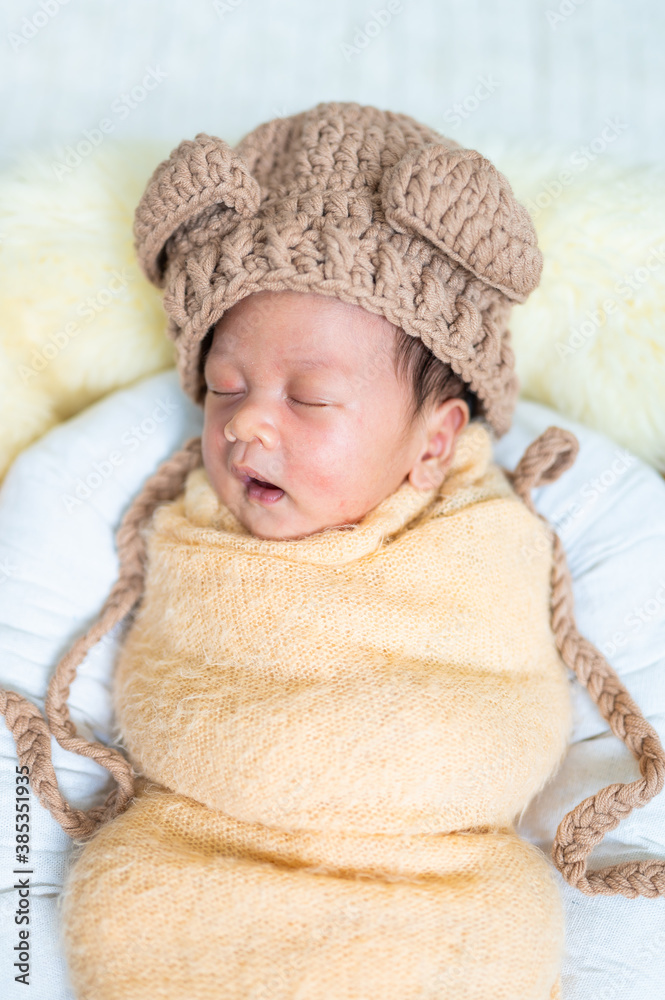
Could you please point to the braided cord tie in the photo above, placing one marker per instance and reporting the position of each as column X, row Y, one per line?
column 31, row 732
column 586, row 825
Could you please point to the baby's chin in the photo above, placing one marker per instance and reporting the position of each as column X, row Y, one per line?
column 289, row 528
column 283, row 519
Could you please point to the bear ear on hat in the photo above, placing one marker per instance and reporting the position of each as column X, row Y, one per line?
column 197, row 175
column 464, row 206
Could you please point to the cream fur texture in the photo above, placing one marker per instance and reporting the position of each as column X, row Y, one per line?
column 590, row 340
column 77, row 318
column 66, row 257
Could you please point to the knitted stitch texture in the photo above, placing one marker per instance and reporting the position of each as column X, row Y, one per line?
column 369, row 206
column 336, row 733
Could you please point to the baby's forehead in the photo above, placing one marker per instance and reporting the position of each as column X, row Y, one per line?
column 314, row 332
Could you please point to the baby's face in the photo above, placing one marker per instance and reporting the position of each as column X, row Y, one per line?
column 302, row 394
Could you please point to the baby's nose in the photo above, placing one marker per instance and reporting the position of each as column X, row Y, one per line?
column 251, row 421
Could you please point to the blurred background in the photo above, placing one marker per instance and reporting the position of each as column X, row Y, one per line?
column 477, row 70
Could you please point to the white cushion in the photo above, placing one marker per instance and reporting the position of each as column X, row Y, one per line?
column 60, row 507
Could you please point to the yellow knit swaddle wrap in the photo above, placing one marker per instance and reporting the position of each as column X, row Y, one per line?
column 337, row 733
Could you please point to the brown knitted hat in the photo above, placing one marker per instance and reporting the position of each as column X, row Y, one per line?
column 369, row 206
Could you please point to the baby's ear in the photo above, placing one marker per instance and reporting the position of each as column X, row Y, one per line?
column 198, row 175
column 459, row 201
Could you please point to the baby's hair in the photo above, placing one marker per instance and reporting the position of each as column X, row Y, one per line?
column 205, row 349
column 432, row 380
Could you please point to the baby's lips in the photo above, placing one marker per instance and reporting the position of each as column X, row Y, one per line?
column 247, row 475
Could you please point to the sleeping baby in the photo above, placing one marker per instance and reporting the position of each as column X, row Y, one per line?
column 342, row 680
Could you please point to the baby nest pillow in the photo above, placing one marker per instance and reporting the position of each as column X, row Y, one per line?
column 60, row 507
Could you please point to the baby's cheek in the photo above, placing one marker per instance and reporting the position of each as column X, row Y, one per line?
column 333, row 469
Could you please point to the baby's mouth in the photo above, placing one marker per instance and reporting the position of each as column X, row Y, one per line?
column 265, row 493
column 259, row 489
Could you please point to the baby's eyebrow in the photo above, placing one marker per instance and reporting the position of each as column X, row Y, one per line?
column 308, row 363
